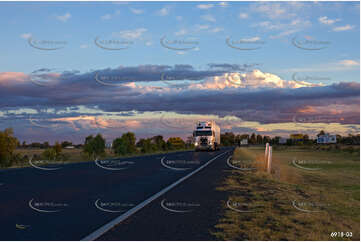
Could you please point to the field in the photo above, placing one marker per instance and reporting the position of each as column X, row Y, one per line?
column 308, row 195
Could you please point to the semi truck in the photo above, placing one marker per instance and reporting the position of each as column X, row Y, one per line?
column 207, row 136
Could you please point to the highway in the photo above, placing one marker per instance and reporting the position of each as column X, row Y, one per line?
column 83, row 200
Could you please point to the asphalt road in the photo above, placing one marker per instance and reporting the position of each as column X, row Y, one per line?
column 70, row 202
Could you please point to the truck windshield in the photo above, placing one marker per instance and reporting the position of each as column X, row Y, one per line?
column 203, row 133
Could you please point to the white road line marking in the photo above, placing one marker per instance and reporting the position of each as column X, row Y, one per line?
column 102, row 230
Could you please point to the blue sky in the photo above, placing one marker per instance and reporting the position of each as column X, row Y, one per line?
column 237, row 20
column 274, row 28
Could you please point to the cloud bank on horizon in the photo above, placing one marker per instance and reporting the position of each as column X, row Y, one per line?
column 321, row 89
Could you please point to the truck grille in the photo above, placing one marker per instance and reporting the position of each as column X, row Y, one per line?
column 204, row 141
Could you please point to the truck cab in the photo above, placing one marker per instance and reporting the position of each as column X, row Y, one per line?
column 206, row 136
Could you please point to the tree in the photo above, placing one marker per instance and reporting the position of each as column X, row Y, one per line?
column 57, row 148
column 119, row 146
column 49, row 154
column 159, row 142
column 253, row 140
column 189, row 142
column 94, row 146
column 146, row 145
column 321, row 133
column 175, row 143
column 266, row 139
column 8, row 144
column 306, row 139
column 238, row 139
column 46, row 144
column 227, row 139
column 259, row 139
column 36, row 145
column 244, row 136
column 125, row 145
column 275, row 140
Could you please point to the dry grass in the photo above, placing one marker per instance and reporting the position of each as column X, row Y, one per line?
column 329, row 196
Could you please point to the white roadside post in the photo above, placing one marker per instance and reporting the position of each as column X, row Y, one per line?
column 269, row 163
column 266, row 153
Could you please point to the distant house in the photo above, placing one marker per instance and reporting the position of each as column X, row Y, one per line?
column 243, row 142
column 69, row 147
column 109, row 145
column 326, row 139
column 282, row 141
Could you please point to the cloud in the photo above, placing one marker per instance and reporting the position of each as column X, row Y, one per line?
column 136, row 11
column 349, row 63
column 273, row 10
column 216, row 30
column 253, row 39
column 76, row 125
column 293, row 24
column 11, row 78
column 343, row 28
column 253, row 79
column 26, row 35
column 64, row 18
column 284, row 33
column 205, row 6
column 208, row 17
column 267, row 25
column 200, row 27
column 243, row 15
column 327, row 21
column 132, row 34
column 230, row 89
column 163, row 11
column 343, row 65
column 106, row 17
column 286, row 27
column 181, row 32
column 110, row 16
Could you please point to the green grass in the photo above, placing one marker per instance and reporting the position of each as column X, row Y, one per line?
column 332, row 193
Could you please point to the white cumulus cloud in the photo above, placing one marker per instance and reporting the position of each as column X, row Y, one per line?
column 132, row 34
column 64, row 18
column 343, row 28
column 205, row 6
column 208, row 17
column 326, row 20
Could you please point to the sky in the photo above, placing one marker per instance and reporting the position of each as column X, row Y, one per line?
column 71, row 69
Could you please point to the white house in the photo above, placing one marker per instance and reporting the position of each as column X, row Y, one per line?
column 326, row 139
column 244, row 142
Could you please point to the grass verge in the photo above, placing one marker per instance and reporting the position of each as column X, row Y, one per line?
column 293, row 202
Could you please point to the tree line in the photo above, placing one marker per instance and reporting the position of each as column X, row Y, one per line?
column 231, row 139
column 126, row 145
